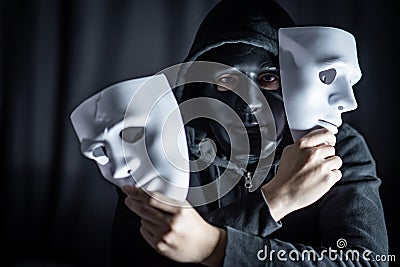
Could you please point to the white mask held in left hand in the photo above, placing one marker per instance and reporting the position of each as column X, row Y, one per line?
column 134, row 131
column 318, row 67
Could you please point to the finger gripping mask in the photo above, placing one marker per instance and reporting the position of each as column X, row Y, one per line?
column 134, row 132
column 318, row 67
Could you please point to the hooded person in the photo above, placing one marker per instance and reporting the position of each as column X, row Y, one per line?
column 235, row 51
column 234, row 54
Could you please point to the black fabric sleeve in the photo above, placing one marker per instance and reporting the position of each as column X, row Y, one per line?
column 351, row 221
column 249, row 214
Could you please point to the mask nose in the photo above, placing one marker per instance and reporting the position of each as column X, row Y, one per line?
column 122, row 170
column 343, row 99
column 122, row 166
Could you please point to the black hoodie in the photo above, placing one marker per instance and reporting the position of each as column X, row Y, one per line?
column 253, row 22
column 349, row 217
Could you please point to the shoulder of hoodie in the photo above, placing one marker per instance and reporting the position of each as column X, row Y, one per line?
column 353, row 149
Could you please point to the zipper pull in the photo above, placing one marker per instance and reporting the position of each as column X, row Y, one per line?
column 248, row 183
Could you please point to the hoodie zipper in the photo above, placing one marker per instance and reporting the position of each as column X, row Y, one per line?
column 248, row 182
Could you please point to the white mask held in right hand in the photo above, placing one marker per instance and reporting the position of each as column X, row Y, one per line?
column 318, row 67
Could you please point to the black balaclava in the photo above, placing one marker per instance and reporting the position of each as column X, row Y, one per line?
column 243, row 35
column 259, row 67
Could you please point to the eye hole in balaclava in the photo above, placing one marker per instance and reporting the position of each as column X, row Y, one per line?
column 260, row 68
column 229, row 81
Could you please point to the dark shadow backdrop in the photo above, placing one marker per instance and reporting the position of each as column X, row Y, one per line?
column 56, row 208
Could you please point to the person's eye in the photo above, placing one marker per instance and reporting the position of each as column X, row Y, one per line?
column 132, row 134
column 227, row 82
column 269, row 81
column 327, row 76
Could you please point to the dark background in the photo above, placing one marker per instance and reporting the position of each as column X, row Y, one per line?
column 56, row 208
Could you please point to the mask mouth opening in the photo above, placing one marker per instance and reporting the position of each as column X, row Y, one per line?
column 329, row 125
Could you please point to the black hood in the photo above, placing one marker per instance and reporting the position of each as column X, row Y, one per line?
column 254, row 22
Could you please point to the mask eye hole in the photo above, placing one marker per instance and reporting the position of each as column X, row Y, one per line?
column 95, row 151
column 99, row 151
column 99, row 154
column 132, row 134
column 327, row 76
column 227, row 81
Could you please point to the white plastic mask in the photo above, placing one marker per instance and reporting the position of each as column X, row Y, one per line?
column 318, row 67
column 134, row 131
